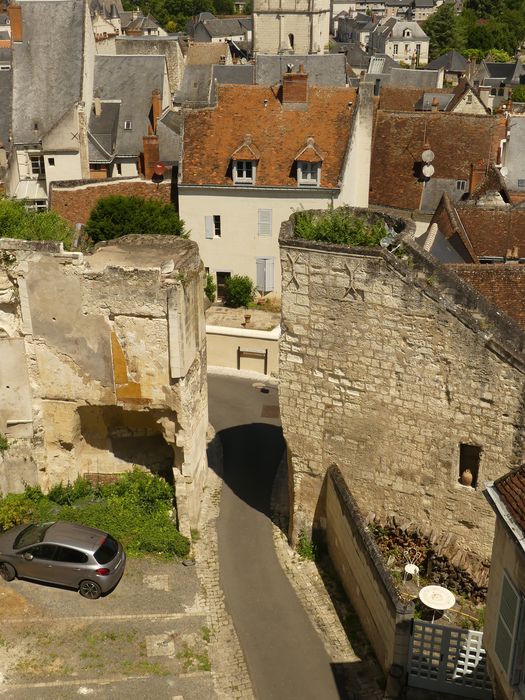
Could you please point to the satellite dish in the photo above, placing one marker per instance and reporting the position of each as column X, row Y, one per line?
column 504, row 171
column 427, row 156
column 428, row 170
column 243, row 61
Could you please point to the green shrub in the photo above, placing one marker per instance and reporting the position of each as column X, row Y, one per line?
column 147, row 491
column 15, row 509
column 117, row 216
column 4, row 443
column 339, row 226
column 210, row 288
column 518, row 93
column 239, row 290
column 305, row 547
column 17, row 222
column 68, row 494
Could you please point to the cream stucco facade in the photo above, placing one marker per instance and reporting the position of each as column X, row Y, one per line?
column 291, row 26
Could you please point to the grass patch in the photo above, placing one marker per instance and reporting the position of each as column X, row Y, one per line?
column 305, row 547
column 135, row 509
column 340, row 226
column 193, row 660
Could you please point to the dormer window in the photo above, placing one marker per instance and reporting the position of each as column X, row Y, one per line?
column 407, row 32
column 244, row 172
column 308, row 174
column 309, row 161
column 244, row 162
column 127, row 124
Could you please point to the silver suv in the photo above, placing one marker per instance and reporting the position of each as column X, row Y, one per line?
column 66, row 554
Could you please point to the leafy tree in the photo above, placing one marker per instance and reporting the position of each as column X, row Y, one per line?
column 518, row 93
column 442, row 31
column 210, row 288
column 117, row 216
column 239, row 290
column 17, row 222
column 499, row 55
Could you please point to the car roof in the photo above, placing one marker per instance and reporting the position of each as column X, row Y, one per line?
column 75, row 535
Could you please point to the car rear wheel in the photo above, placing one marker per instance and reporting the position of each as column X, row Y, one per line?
column 90, row 589
column 7, row 572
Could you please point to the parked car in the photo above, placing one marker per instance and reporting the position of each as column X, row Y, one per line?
column 67, row 554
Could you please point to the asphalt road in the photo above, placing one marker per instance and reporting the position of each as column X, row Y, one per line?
column 285, row 656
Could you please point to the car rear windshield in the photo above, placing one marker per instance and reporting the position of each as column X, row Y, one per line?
column 107, row 551
column 33, row 534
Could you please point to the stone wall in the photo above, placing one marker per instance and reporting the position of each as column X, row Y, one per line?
column 75, row 200
column 359, row 564
column 103, row 362
column 388, row 363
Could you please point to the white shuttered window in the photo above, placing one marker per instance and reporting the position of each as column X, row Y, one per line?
column 265, row 222
column 265, row 274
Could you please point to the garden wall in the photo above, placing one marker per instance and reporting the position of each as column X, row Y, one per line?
column 359, row 564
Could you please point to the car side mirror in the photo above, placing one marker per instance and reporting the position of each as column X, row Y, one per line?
column 28, row 556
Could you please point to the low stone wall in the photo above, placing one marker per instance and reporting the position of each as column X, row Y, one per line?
column 223, row 343
column 359, row 564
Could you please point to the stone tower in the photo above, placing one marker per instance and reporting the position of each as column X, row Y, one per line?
column 291, row 26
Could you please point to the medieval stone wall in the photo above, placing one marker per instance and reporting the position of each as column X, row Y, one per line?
column 388, row 363
column 103, row 362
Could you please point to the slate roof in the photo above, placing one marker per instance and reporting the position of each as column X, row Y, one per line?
column 509, row 72
column 327, row 69
column 219, row 28
column 102, row 132
column 457, row 140
column 511, row 490
column 355, row 56
column 502, row 284
column 431, row 100
column 169, row 128
column 36, row 98
column 452, row 62
column 130, row 79
column 234, row 75
column 408, row 77
column 195, row 88
column 277, row 132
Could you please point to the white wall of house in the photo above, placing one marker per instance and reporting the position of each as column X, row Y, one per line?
column 242, row 238
column 124, row 167
column 405, row 48
column 62, row 166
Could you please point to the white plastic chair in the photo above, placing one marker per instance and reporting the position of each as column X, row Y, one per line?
column 412, row 556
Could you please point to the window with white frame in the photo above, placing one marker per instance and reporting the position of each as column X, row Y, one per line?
column 265, row 275
column 461, row 185
column 37, row 165
column 521, row 183
column 407, row 32
column 308, row 174
column 264, row 227
column 396, row 49
column 244, row 172
column 127, row 124
column 212, row 226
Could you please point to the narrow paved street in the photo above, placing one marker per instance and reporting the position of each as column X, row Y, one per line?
column 285, row 656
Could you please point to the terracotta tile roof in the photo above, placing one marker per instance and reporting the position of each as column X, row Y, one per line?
column 212, row 135
column 501, row 284
column 397, row 99
column 511, row 489
column 493, row 232
column 458, row 141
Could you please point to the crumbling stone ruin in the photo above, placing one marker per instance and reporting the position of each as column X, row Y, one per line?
column 103, row 363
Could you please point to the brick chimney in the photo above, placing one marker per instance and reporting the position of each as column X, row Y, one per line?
column 156, row 108
column 477, row 173
column 151, row 154
column 15, row 20
column 295, row 87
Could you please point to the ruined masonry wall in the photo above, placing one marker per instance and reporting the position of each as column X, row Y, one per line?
column 378, row 377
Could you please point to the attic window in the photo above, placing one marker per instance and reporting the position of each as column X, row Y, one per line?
column 308, row 174
column 244, row 172
column 521, row 184
column 127, row 124
column 407, row 32
column 461, row 185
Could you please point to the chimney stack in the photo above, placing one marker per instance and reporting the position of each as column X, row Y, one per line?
column 156, row 109
column 295, row 87
column 14, row 13
column 151, row 154
column 477, row 173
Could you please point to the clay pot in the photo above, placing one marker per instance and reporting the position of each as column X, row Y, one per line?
column 466, row 477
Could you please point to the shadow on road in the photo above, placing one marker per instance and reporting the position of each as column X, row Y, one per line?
column 259, row 447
